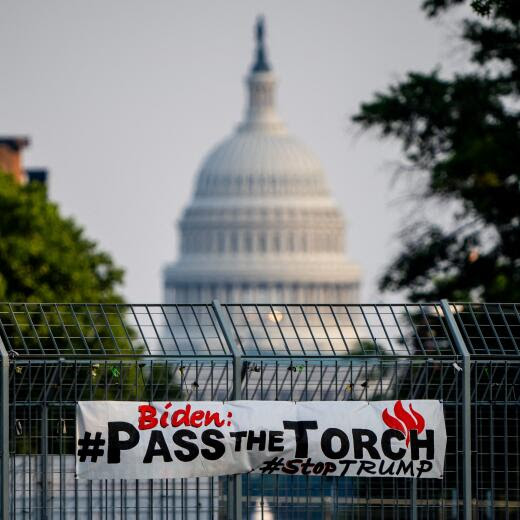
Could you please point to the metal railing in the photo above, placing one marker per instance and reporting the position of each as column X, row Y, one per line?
column 54, row 355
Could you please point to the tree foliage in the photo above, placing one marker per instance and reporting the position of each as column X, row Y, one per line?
column 45, row 257
column 461, row 133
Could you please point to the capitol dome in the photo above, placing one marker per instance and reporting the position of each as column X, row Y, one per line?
column 260, row 163
column 262, row 226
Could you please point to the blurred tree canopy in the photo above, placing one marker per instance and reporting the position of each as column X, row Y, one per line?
column 462, row 133
column 46, row 257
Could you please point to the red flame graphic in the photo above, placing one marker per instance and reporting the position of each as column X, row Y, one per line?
column 404, row 421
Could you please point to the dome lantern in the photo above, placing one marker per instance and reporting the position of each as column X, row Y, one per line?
column 261, row 83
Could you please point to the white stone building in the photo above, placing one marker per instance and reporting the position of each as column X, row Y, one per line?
column 262, row 226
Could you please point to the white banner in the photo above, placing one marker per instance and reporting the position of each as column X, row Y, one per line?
column 128, row 440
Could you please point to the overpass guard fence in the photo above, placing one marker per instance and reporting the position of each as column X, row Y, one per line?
column 54, row 355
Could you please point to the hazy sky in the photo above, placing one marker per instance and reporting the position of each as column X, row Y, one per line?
column 123, row 98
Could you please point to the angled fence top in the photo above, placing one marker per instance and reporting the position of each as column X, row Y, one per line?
column 340, row 330
column 491, row 329
column 32, row 330
column 109, row 330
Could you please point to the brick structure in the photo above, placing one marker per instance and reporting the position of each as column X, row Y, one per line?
column 11, row 156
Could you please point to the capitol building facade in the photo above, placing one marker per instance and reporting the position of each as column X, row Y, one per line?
column 261, row 226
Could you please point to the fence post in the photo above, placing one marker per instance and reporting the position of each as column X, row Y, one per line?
column 45, row 456
column 235, row 498
column 466, row 406
column 4, row 432
column 414, row 499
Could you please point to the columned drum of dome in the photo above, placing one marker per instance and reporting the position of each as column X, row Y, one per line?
column 262, row 226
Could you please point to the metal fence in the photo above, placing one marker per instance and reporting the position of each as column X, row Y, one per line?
column 54, row 355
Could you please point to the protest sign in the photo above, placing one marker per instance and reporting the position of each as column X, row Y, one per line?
column 206, row 438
